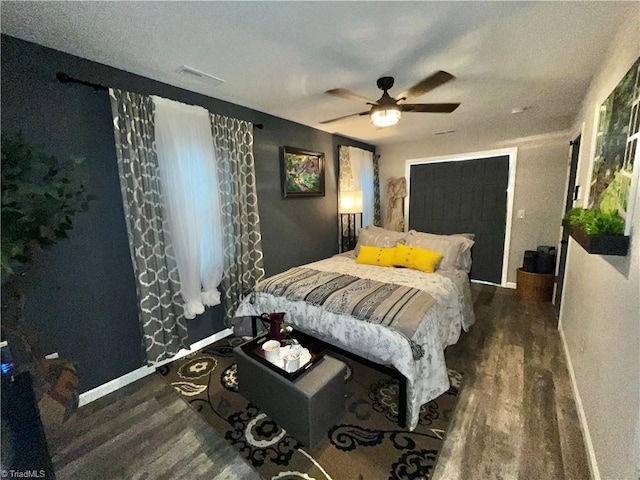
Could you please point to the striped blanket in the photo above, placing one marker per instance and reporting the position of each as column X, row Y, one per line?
column 395, row 306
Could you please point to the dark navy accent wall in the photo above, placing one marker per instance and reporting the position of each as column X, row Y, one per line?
column 81, row 293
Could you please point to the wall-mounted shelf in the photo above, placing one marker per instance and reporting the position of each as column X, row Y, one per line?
column 600, row 244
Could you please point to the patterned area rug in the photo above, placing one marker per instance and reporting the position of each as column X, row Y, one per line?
column 366, row 444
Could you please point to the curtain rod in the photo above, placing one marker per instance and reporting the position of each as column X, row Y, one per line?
column 64, row 78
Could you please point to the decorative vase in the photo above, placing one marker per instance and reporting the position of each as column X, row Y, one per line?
column 275, row 320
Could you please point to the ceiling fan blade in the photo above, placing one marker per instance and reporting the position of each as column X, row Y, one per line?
column 429, row 107
column 343, row 93
column 346, row 116
column 426, row 85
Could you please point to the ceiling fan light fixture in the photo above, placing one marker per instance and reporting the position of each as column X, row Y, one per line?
column 386, row 116
column 386, row 111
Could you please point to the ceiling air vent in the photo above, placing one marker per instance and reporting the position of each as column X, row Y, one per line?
column 195, row 74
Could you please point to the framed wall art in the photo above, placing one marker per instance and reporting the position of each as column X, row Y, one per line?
column 302, row 173
column 613, row 180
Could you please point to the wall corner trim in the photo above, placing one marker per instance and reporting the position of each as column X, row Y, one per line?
column 584, row 426
column 117, row 383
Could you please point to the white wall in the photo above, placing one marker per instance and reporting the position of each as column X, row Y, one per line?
column 541, row 174
column 600, row 316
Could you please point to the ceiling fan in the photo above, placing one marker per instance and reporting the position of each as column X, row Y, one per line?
column 388, row 110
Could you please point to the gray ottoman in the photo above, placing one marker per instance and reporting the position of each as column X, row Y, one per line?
column 306, row 407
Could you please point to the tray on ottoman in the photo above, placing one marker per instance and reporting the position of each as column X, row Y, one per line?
column 253, row 349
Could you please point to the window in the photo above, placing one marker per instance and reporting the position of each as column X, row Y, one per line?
column 187, row 167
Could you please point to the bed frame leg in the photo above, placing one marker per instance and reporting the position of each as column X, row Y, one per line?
column 402, row 402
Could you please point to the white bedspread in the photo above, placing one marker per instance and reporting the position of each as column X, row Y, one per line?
column 427, row 376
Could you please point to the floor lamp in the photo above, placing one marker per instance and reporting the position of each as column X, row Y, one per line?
column 350, row 206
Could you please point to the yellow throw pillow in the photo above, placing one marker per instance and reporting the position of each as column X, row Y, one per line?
column 383, row 257
column 416, row 258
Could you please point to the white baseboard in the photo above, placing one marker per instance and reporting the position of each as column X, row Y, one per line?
column 506, row 285
column 584, row 426
column 124, row 380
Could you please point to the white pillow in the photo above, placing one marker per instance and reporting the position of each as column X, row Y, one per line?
column 470, row 236
column 455, row 249
column 465, row 257
column 379, row 237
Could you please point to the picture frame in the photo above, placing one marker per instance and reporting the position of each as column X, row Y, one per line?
column 302, row 173
column 614, row 174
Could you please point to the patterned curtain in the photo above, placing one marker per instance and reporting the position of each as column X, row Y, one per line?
column 377, row 220
column 345, row 184
column 345, row 179
column 243, row 263
column 164, row 330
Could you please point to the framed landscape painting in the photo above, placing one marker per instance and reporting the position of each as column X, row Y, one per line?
column 302, row 173
column 613, row 180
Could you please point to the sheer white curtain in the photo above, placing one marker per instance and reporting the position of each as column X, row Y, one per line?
column 190, row 186
column 362, row 170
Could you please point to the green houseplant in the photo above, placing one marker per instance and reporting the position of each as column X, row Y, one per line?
column 597, row 231
column 40, row 197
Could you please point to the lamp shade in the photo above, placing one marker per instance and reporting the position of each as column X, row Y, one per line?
column 350, row 202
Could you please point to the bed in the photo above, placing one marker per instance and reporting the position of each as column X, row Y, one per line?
column 402, row 317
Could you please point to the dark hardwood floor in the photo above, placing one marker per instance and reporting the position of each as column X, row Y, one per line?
column 144, row 431
column 516, row 418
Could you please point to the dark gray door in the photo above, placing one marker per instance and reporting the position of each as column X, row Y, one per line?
column 572, row 193
column 464, row 197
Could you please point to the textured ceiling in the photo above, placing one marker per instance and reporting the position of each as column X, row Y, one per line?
column 279, row 57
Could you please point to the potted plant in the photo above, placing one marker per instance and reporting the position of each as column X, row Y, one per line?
column 40, row 197
column 598, row 232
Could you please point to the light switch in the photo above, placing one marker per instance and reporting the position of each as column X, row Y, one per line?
column 521, row 213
